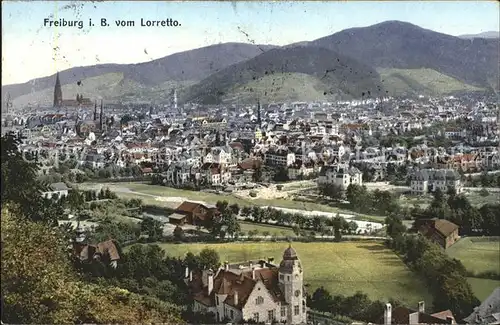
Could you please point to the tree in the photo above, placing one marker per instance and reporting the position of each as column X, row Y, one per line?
column 246, row 211
column 353, row 226
column 178, row 233
column 40, row 286
column 332, row 191
column 209, row 259
column 235, row 209
column 395, row 226
column 153, row 228
column 19, row 181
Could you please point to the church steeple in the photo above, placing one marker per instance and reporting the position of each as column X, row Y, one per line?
column 100, row 116
column 259, row 120
column 57, row 92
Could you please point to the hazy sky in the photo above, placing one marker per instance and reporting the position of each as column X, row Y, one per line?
column 28, row 46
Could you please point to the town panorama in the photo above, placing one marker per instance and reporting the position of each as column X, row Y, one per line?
column 310, row 183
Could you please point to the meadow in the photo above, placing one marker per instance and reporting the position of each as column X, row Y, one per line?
column 482, row 288
column 477, row 255
column 342, row 268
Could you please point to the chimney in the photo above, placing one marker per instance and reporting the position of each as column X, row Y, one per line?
column 236, row 298
column 251, row 265
column 210, row 282
column 414, row 318
column 187, row 273
column 421, row 307
column 190, row 276
column 387, row 314
column 253, row 274
column 270, row 260
column 226, row 266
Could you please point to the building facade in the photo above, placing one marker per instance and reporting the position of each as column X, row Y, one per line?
column 253, row 290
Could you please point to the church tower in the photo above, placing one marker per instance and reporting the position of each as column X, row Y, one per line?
column 57, row 92
column 259, row 119
column 291, row 281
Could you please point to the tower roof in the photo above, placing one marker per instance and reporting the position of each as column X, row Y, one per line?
column 290, row 253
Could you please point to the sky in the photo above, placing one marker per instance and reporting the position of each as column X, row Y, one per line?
column 32, row 50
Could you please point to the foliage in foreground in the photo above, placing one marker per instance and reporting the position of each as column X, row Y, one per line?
column 39, row 286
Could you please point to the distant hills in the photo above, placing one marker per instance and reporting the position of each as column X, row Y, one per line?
column 388, row 58
column 336, row 74
column 183, row 67
column 490, row 34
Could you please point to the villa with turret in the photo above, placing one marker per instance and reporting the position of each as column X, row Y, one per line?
column 254, row 290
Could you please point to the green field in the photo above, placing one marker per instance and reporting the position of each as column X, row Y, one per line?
column 476, row 255
column 421, row 81
column 482, row 288
column 273, row 230
column 343, row 268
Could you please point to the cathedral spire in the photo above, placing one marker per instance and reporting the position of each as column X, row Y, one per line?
column 259, row 121
column 57, row 92
column 100, row 116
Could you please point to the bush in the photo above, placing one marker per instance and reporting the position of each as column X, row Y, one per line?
column 253, row 194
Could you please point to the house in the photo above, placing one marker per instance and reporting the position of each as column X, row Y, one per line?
column 215, row 174
column 280, row 158
column 429, row 180
column 339, row 175
column 255, row 290
column 56, row 190
column 195, row 213
column 488, row 312
column 404, row 315
column 106, row 252
column 442, row 232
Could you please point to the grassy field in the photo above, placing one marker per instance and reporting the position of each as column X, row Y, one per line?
column 482, row 288
column 477, row 256
column 273, row 230
column 343, row 268
column 427, row 81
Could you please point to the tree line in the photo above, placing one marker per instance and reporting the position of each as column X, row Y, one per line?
column 446, row 277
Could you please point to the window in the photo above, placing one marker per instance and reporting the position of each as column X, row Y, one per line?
column 297, row 293
column 270, row 315
column 259, row 300
column 217, row 300
column 283, row 311
column 256, row 317
column 282, row 277
column 296, row 309
column 232, row 314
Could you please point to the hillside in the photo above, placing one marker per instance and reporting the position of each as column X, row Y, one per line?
column 280, row 87
column 39, row 285
column 341, row 75
column 401, row 45
column 421, row 81
column 180, row 67
column 490, row 34
column 112, row 86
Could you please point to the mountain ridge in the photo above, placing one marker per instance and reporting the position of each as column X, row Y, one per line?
column 390, row 45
